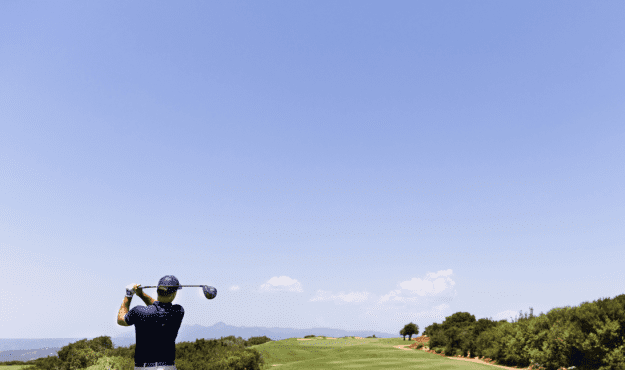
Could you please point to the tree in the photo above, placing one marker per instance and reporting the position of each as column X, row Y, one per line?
column 430, row 330
column 455, row 339
column 459, row 319
column 403, row 333
column 410, row 330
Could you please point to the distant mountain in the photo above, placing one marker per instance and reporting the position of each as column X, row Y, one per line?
column 29, row 349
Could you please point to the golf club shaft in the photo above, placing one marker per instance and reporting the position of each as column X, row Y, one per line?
column 154, row 286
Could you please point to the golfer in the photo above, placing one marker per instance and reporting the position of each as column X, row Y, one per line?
column 156, row 326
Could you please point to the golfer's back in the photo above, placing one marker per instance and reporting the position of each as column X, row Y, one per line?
column 156, row 329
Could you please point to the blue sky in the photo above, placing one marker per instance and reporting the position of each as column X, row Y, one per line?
column 353, row 164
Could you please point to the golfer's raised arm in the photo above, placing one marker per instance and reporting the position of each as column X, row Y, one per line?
column 146, row 298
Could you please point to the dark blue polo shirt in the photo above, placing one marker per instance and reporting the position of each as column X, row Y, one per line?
column 156, row 329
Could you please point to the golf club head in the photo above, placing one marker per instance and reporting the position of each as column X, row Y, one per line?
column 209, row 292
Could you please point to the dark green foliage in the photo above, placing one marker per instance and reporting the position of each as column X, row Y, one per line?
column 455, row 338
column 470, row 348
column 458, row 319
column 482, row 325
column 588, row 337
column 84, row 353
column 403, row 333
column 309, row 336
column 467, row 347
column 430, row 330
column 437, row 339
column 410, row 330
column 254, row 341
column 214, row 354
column 77, row 355
column 116, row 363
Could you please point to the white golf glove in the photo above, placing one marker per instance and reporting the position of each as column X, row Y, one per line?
column 130, row 290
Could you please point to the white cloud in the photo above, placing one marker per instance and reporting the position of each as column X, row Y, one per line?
column 423, row 298
column 235, row 287
column 426, row 297
column 391, row 296
column 432, row 285
column 282, row 283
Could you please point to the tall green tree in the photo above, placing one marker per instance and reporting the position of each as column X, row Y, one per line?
column 403, row 333
column 410, row 330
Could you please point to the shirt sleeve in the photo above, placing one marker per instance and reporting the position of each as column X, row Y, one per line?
column 130, row 316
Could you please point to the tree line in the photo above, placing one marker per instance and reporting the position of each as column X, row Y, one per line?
column 203, row 354
column 585, row 337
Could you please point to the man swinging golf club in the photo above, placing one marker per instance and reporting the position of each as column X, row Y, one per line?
column 156, row 326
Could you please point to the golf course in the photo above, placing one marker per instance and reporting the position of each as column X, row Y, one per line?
column 350, row 353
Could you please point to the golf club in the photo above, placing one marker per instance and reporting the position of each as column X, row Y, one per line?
column 209, row 291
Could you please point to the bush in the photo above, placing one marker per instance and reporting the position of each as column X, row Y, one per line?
column 309, row 336
column 420, row 345
column 217, row 354
column 468, row 349
column 248, row 359
column 438, row 350
column 254, row 341
column 113, row 363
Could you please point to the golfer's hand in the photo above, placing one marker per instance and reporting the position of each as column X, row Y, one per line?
column 137, row 288
column 130, row 290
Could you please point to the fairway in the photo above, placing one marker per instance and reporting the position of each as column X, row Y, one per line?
column 346, row 353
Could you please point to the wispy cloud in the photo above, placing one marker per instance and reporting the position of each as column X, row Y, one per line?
column 282, row 283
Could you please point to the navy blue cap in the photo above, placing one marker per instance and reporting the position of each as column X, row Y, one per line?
column 168, row 281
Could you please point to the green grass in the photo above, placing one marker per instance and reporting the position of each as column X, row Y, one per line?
column 14, row 367
column 345, row 353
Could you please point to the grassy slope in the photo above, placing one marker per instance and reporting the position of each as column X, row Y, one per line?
column 367, row 353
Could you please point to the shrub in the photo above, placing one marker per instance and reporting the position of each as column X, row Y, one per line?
column 253, row 341
column 438, row 350
column 113, row 363
column 437, row 339
column 309, row 336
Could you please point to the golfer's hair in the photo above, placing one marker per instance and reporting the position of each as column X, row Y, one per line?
column 164, row 293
